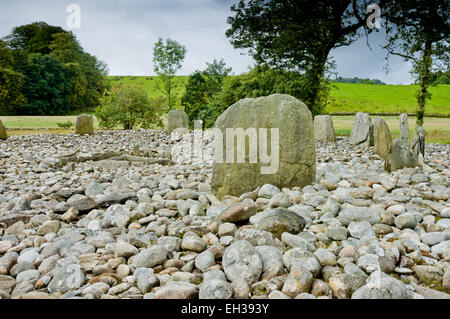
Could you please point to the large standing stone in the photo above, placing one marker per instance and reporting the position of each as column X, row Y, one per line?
column 295, row 164
column 3, row 134
column 323, row 128
column 84, row 124
column 383, row 142
column 362, row 130
column 177, row 119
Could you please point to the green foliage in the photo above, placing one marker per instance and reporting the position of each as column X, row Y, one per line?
column 261, row 81
column 167, row 60
column 65, row 125
column 11, row 82
column 46, row 87
column 297, row 35
column 86, row 74
column 129, row 106
column 441, row 77
column 358, row 80
column 418, row 31
column 395, row 99
column 202, row 86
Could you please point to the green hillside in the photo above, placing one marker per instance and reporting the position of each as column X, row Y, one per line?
column 348, row 97
column 149, row 83
column 344, row 97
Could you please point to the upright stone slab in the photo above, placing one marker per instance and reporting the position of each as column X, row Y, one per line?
column 404, row 127
column 323, row 129
column 296, row 163
column 402, row 156
column 362, row 130
column 402, row 153
column 3, row 134
column 84, row 124
column 383, row 142
column 177, row 119
column 376, row 122
column 418, row 142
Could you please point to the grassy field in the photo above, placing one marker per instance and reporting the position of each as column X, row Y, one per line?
column 437, row 129
column 348, row 97
column 150, row 83
column 344, row 97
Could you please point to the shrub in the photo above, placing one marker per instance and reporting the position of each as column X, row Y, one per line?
column 129, row 106
column 260, row 81
column 65, row 125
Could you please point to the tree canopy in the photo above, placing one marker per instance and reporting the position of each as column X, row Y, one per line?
column 298, row 35
column 28, row 48
column 168, row 57
column 419, row 31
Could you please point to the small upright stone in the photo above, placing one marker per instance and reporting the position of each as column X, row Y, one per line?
column 323, row 129
column 177, row 119
column 383, row 142
column 418, row 143
column 404, row 127
column 402, row 156
column 362, row 130
column 84, row 124
column 3, row 134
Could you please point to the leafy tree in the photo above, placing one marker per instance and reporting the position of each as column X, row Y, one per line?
column 260, row 81
column 298, row 35
column 46, row 86
column 441, row 77
column 202, row 86
column 31, row 38
column 167, row 59
column 11, row 82
column 419, row 31
column 86, row 74
column 129, row 106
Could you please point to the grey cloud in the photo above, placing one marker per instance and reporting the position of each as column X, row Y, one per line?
column 122, row 33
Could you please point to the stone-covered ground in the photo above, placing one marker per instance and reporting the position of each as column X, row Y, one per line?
column 108, row 216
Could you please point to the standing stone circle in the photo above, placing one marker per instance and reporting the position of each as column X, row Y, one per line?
column 362, row 130
column 3, row 134
column 84, row 124
column 323, row 128
column 177, row 119
column 297, row 152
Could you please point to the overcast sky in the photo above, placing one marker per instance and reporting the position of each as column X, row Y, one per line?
column 122, row 34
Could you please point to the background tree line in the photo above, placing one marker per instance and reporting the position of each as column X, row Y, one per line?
column 45, row 71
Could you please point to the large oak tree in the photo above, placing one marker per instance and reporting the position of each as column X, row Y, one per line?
column 298, row 35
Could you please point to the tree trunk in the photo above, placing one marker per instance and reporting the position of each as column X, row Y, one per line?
column 169, row 97
column 315, row 77
column 424, row 67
